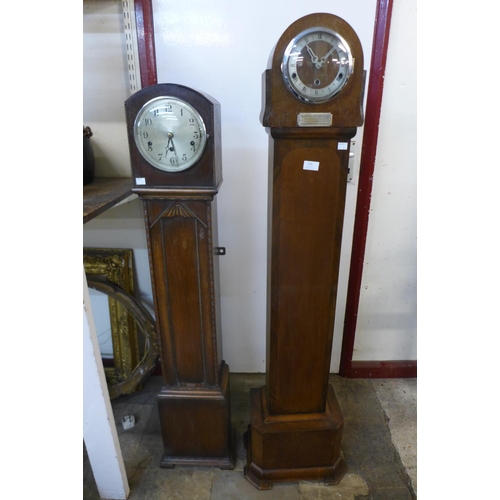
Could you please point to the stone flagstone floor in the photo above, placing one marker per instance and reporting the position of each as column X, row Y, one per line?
column 379, row 446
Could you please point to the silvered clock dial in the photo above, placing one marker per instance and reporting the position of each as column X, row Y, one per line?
column 317, row 64
column 170, row 134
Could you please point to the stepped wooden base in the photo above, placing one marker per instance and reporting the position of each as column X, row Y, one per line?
column 287, row 448
column 196, row 426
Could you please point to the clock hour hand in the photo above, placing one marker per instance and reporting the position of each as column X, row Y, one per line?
column 314, row 57
column 170, row 136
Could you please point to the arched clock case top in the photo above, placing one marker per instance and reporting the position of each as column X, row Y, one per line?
column 206, row 172
column 282, row 106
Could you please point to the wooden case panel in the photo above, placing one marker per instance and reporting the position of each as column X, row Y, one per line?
column 185, row 290
column 196, row 425
column 307, row 219
column 294, row 449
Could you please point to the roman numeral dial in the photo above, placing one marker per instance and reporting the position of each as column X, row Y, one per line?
column 316, row 65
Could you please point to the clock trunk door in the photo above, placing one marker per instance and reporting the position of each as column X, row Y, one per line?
column 182, row 252
column 307, row 203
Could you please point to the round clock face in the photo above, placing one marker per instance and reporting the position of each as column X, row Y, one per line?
column 170, row 134
column 316, row 65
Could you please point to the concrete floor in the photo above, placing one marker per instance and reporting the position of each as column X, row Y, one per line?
column 379, row 446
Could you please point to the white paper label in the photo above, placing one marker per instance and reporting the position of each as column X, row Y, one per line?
column 342, row 146
column 140, row 181
column 311, row 165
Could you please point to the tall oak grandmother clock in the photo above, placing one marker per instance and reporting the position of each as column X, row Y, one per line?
column 313, row 106
column 174, row 139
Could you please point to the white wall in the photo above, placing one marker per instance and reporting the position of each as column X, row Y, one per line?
column 220, row 48
column 387, row 316
column 105, row 85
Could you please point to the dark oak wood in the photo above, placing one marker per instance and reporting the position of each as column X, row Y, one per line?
column 207, row 174
column 296, row 425
column 194, row 402
column 298, row 447
column 180, row 213
column 366, row 174
column 308, row 209
column 103, row 193
column 182, row 241
column 281, row 107
column 203, row 409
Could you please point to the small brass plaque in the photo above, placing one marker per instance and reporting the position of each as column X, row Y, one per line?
column 314, row 119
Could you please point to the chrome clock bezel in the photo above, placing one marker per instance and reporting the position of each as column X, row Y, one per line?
column 288, row 80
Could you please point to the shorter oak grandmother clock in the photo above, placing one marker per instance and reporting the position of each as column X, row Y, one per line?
column 174, row 137
column 313, row 106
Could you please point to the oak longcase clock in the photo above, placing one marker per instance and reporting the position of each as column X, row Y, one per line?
column 174, row 136
column 313, row 106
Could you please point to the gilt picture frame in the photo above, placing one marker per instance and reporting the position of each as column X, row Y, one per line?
column 116, row 267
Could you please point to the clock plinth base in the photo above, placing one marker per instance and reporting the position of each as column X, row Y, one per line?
column 196, row 426
column 289, row 448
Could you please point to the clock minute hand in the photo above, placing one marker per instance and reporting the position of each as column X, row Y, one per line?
column 328, row 54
